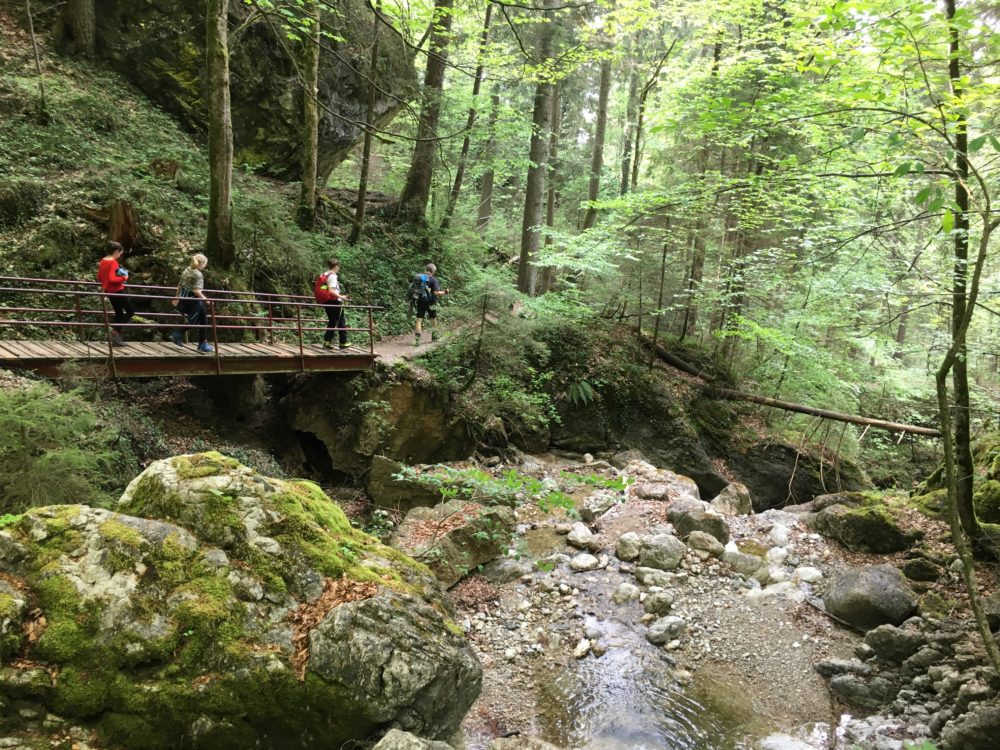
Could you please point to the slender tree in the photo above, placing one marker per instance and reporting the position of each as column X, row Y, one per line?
column 219, row 243
column 417, row 190
column 310, row 118
column 597, row 155
column 549, row 272
column 632, row 107
column 484, row 213
column 456, row 187
column 366, row 149
column 534, row 191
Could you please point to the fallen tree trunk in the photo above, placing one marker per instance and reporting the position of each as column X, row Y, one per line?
column 730, row 394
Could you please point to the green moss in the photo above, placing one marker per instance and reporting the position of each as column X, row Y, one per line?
column 117, row 531
column 987, row 501
column 872, row 528
column 751, row 547
column 8, row 519
column 932, row 503
column 935, row 605
column 10, row 643
column 208, row 464
column 152, row 500
column 81, row 692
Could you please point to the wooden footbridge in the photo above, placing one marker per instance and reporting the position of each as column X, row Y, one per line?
column 60, row 327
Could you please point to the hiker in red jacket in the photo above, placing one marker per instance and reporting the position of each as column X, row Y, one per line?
column 112, row 277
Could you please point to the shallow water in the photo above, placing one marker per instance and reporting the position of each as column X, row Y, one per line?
column 628, row 698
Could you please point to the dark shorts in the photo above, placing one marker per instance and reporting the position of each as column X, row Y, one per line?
column 426, row 310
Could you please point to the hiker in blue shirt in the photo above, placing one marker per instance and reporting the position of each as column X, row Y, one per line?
column 424, row 293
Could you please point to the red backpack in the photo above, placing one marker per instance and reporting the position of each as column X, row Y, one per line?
column 323, row 294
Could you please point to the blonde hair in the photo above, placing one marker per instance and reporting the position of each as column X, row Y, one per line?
column 198, row 261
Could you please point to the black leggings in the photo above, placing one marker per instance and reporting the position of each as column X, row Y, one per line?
column 336, row 322
column 122, row 306
column 193, row 310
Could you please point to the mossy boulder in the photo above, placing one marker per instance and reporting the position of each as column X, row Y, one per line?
column 986, row 499
column 865, row 528
column 224, row 609
column 161, row 47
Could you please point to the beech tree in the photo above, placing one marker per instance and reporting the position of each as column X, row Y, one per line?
column 310, row 116
column 77, row 32
column 219, row 243
column 597, row 160
column 417, row 190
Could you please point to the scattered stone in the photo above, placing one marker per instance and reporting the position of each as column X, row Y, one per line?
column 734, row 500
column 626, row 592
column 582, row 649
column 582, row 537
column 808, row 574
column 597, row 505
column 584, row 562
column 976, row 730
column 628, row 546
column 921, row 569
column 743, row 562
column 699, row 520
column 666, row 629
column 776, row 555
column 653, row 577
column 699, row 540
column 659, row 603
column 520, row 743
column 662, row 551
column 870, row 596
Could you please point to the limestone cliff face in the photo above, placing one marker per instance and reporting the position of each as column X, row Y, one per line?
column 160, row 46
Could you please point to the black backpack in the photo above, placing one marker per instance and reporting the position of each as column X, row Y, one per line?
column 420, row 290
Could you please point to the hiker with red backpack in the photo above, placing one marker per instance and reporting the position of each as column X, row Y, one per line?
column 326, row 290
column 424, row 293
column 112, row 277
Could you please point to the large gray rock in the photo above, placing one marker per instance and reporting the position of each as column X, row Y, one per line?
column 596, row 505
column 659, row 484
column 698, row 520
column 662, row 551
column 582, row 537
column 976, row 730
column 870, row 596
column 216, row 600
column 666, row 629
column 734, row 500
column 456, row 537
column 869, row 528
column 699, row 540
column 385, row 490
column 744, row 563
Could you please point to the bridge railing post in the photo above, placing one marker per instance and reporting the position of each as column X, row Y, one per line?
column 371, row 332
column 298, row 328
column 215, row 337
column 270, row 322
column 80, row 332
column 107, row 332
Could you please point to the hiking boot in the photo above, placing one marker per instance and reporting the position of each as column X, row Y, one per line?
column 116, row 339
column 345, row 346
column 141, row 320
column 328, row 345
column 205, row 348
column 177, row 338
column 416, row 340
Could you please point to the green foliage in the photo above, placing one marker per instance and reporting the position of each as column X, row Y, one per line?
column 475, row 485
column 56, row 448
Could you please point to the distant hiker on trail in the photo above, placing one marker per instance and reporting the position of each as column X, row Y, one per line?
column 190, row 302
column 326, row 290
column 112, row 277
column 424, row 293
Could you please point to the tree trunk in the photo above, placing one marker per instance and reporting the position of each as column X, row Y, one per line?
column 78, row 31
column 456, row 188
column 219, row 243
column 534, row 189
column 366, row 149
column 123, row 224
column 43, row 112
column 310, row 124
column 549, row 272
column 965, row 468
column 417, row 190
column 485, row 210
column 597, row 157
column 630, row 112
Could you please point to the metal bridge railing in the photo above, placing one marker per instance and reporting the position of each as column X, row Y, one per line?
column 82, row 308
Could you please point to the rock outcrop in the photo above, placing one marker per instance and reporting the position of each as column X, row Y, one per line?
column 161, row 47
column 863, row 528
column 223, row 609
